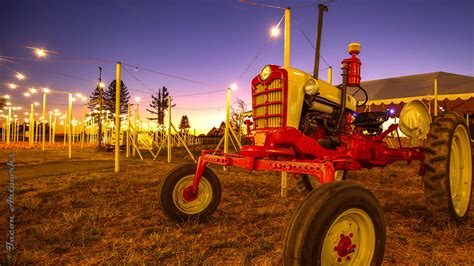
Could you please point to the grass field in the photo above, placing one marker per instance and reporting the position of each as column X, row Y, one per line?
column 79, row 211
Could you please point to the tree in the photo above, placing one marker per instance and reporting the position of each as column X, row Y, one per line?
column 217, row 132
column 236, row 119
column 94, row 101
column 110, row 96
column 213, row 132
column 3, row 103
column 221, row 130
column 158, row 106
column 184, row 124
column 96, row 104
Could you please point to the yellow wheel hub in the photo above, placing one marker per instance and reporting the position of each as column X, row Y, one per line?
column 350, row 240
column 460, row 170
column 203, row 199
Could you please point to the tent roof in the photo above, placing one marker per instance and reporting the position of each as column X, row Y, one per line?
column 403, row 89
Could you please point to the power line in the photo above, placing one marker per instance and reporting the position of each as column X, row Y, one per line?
column 176, row 96
column 198, row 93
column 313, row 4
column 260, row 4
column 139, row 81
column 309, row 41
column 170, row 76
column 71, row 76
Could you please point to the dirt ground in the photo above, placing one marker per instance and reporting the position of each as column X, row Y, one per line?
column 78, row 211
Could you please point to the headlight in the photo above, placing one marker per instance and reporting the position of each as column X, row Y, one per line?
column 311, row 87
column 265, row 73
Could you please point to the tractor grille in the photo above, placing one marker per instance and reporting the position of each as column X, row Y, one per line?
column 267, row 103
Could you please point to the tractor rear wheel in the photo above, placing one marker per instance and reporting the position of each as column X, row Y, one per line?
column 307, row 183
column 175, row 198
column 448, row 168
column 338, row 223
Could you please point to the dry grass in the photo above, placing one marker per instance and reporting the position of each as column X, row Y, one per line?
column 80, row 212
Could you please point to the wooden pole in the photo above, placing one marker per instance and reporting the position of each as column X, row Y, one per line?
column 54, row 130
column 9, row 118
column 118, row 83
column 330, row 75
column 83, row 127
column 435, row 97
column 227, row 123
column 169, row 129
column 69, row 121
column 128, row 131
column 43, row 137
column 286, row 53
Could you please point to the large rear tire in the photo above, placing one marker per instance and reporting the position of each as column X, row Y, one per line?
column 448, row 168
column 338, row 223
column 307, row 183
column 173, row 202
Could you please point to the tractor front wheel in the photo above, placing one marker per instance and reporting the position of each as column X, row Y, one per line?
column 338, row 223
column 177, row 200
column 448, row 168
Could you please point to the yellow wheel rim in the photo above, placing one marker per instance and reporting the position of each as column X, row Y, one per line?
column 350, row 240
column 200, row 203
column 460, row 170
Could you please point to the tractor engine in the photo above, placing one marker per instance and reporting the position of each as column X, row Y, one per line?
column 287, row 97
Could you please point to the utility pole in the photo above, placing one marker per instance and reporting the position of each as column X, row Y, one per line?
column 100, row 107
column 118, row 84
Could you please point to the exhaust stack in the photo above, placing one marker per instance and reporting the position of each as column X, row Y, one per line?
column 322, row 9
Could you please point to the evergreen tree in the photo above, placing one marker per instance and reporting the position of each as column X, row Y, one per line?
column 158, row 106
column 213, row 132
column 221, row 130
column 3, row 103
column 110, row 96
column 217, row 132
column 94, row 102
column 184, row 124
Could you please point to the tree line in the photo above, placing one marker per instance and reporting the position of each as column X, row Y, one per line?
column 157, row 108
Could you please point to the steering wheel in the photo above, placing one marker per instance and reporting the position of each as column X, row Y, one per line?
column 365, row 94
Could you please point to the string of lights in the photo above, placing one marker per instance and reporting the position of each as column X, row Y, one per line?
column 42, row 53
column 171, row 76
column 200, row 108
column 175, row 96
column 34, row 89
column 260, row 51
column 10, row 69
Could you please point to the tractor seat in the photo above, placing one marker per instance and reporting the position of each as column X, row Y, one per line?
column 370, row 119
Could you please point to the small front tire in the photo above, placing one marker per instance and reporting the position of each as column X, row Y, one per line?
column 173, row 202
column 338, row 223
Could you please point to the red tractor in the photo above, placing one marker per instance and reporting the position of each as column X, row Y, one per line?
column 305, row 126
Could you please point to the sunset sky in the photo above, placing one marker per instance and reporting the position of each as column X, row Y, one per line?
column 211, row 43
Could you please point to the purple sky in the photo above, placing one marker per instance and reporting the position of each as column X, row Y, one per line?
column 214, row 41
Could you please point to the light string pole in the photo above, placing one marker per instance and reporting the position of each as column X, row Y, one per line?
column 118, row 83
column 43, row 135
column 69, row 122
